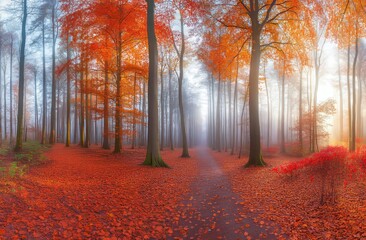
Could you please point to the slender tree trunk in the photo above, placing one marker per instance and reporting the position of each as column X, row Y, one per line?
column 87, row 107
column 171, row 139
column 135, row 111
column 283, row 149
column 185, row 153
column 153, row 157
column 300, row 115
column 218, row 116
column 11, row 91
column 68, row 93
column 268, row 109
column 234, row 126
column 52, row 139
column 353, row 133
column 81, row 127
column 340, row 100
column 162, row 105
column 19, row 140
column 44, row 87
column 75, row 110
column 5, row 106
column 314, row 146
column 35, row 106
column 349, row 98
column 143, row 117
column 106, row 107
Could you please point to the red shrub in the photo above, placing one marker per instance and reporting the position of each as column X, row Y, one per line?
column 327, row 165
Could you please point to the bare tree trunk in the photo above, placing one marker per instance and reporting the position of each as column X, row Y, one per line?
column 300, row 114
column 11, row 90
column 68, row 93
column 134, row 113
column 44, row 86
column 171, row 139
column 353, row 133
column 35, row 106
column 340, row 100
column 106, row 107
column 349, row 98
column 162, row 104
column 255, row 154
column 52, row 139
column 282, row 149
column 118, row 111
column 87, row 107
column 153, row 157
column 234, row 124
column 19, row 140
column 180, row 53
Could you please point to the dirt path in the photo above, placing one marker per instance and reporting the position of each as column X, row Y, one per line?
column 212, row 212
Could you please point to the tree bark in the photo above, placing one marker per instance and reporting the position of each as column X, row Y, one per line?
column 106, row 107
column 353, row 133
column 255, row 154
column 52, row 139
column 153, row 157
column 19, row 138
column 68, row 93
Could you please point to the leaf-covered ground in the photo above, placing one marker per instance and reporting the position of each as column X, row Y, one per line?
column 291, row 204
column 89, row 193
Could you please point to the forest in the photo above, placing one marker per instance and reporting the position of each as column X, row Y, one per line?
column 182, row 119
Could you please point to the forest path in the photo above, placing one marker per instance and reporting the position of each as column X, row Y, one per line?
column 213, row 209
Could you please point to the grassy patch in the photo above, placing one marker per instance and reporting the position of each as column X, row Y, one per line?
column 14, row 165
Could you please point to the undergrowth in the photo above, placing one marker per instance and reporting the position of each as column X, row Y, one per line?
column 14, row 165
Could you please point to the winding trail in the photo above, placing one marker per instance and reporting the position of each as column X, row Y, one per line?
column 213, row 210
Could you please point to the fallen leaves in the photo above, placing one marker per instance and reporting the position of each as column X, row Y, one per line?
column 89, row 193
column 292, row 206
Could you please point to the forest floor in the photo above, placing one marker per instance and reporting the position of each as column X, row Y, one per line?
column 90, row 193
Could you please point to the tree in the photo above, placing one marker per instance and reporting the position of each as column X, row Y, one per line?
column 180, row 52
column 19, row 138
column 52, row 139
column 153, row 157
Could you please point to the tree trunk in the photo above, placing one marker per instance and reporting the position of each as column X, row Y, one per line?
column 68, row 93
column 35, row 106
column 162, row 105
column 349, row 98
column 234, row 125
column 268, row 109
column 283, row 149
column 340, row 100
column 19, row 140
column 218, row 116
column 353, row 133
column 11, row 91
column 106, row 108
column 5, row 104
column 52, row 139
column 300, row 114
column 87, row 107
column 171, row 140
column 153, row 157
column 185, row 153
column 118, row 115
column 135, row 111
column 255, row 155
